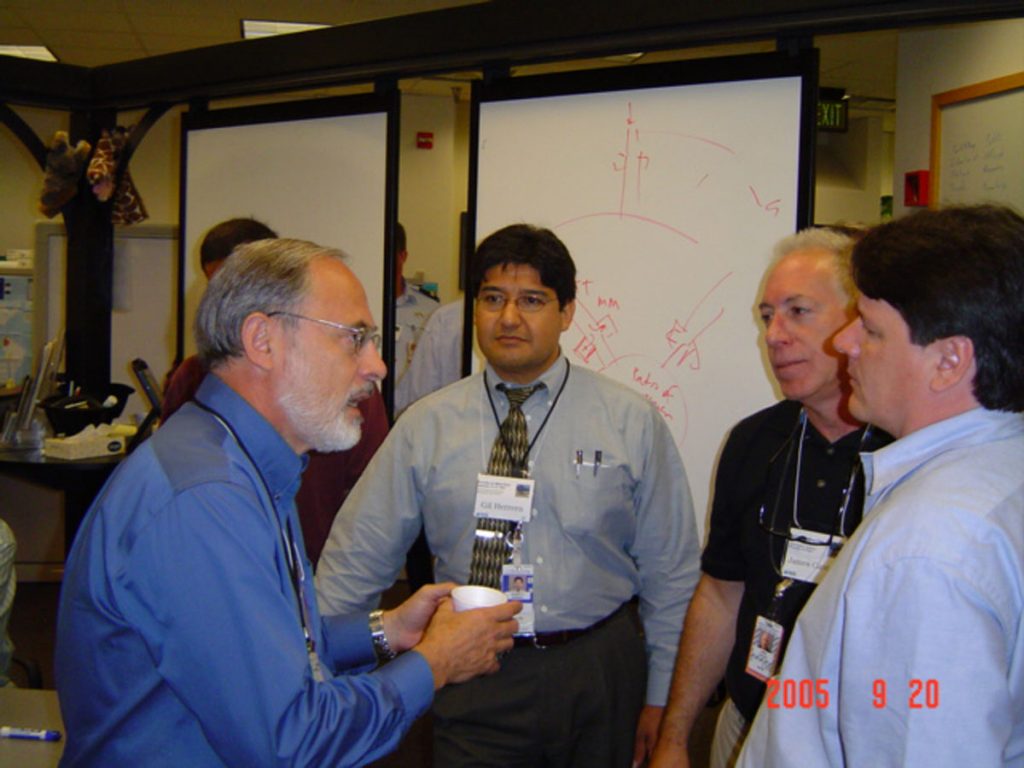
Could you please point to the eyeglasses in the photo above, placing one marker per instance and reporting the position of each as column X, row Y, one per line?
column 495, row 301
column 360, row 336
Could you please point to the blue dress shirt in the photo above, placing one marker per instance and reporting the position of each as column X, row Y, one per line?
column 179, row 637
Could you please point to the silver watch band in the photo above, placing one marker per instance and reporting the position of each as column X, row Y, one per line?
column 381, row 647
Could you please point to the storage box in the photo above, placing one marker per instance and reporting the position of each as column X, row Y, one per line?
column 92, row 441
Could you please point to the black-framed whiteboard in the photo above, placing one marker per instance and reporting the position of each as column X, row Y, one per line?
column 669, row 184
column 323, row 170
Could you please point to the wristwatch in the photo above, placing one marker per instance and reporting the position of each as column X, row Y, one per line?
column 381, row 647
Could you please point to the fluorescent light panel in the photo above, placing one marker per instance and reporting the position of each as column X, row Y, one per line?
column 251, row 29
column 38, row 52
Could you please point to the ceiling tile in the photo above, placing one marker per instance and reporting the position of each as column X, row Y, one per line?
column 46, row 19
column 222, row 28
column 95, row 57
column 67, row 38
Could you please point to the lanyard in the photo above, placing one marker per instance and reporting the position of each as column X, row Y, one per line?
column 494, row 410
column 296, row 573
column 838, row 527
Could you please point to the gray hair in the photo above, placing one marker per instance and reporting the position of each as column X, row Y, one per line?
column 837, row 243
column 262, row 276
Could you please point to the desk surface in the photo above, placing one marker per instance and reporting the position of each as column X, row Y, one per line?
column 36, row 458
column 26, row 708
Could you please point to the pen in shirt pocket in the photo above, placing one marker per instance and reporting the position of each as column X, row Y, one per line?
column 579, row 463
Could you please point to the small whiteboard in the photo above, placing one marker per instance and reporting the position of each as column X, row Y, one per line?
column 311, row 170
column 669, row 186
column 977, row 150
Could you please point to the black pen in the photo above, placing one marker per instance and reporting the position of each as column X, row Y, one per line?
column 597, row 462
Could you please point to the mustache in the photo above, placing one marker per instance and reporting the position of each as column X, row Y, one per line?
column 354, row 398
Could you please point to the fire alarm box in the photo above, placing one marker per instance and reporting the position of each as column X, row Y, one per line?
column 424, row 140
column 915, row 189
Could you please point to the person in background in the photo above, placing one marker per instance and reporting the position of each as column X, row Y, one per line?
column 413, row 307
column 188, row 633
column 329, row 477
column 786, row 474
column 218, row 243
column 593, row 510
column 913, row 644
column 437, row 360
column 8, row 586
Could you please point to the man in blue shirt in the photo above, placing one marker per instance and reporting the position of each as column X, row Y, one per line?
column 911, row 651
column 188, row 633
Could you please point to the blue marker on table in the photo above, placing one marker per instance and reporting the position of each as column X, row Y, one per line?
column 32, row 734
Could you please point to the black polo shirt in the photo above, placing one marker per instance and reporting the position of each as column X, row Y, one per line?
column 758, row 467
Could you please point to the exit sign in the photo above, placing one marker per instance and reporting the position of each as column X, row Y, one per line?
column 833, row 115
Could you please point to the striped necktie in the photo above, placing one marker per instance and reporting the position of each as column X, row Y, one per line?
column 491, row 547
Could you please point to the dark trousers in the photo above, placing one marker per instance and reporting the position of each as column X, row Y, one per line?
column 570, row 705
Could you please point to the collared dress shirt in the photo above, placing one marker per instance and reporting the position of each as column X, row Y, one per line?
column 598, row 536
column 412, row 310
column 917, row 632
column 437, row 360
column 179, row 639
column 327, row 478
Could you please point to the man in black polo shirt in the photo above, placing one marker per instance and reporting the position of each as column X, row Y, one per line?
column 787, row 493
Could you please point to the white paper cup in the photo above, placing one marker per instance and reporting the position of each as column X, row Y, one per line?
column 467, row 598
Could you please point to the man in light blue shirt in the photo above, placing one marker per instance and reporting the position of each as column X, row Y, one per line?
column 437, row 361
column 608, row 534
column 911, row 653
column 413, row 308
column 188, row 634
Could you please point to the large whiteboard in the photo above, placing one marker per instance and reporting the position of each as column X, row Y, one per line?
column 320, row 178
column 670, row 199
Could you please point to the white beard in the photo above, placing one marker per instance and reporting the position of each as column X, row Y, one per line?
column 318, row 420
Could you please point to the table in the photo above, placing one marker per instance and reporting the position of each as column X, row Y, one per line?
column 80, row 480
column 27, row 708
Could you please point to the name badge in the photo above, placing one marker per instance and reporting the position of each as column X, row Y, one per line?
column 517, row 584
column 809, row 562
column 503, row 498
column 764, row 648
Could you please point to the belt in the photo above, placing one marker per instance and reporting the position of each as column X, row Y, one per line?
column 561, row 637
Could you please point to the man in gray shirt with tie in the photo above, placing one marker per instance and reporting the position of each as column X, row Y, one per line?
column 588, row 505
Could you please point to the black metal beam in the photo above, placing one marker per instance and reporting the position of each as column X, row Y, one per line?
column 505, row 32
column 90, row 269
column 44, row 83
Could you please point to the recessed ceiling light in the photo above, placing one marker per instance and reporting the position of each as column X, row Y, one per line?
column 252, row 29
column 38, row 52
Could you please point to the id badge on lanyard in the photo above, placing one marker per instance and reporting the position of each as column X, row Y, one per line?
column 503, row 498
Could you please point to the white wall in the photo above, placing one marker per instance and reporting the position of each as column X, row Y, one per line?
column 853, row 171
column 427, row 191
column 935, row 60
column 21, row 180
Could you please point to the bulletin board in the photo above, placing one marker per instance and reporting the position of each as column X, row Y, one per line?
column 977, row 144
column 669, row 185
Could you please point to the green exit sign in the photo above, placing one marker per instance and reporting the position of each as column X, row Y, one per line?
column 833, row 115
